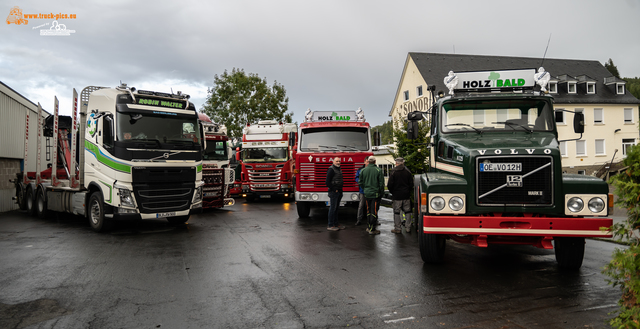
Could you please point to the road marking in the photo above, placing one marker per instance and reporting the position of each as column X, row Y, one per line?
column 598, row 307
column 399, row 320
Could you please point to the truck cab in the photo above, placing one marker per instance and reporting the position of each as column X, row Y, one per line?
column 495, row 173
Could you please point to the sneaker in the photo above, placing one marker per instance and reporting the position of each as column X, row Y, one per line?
column 372, row 232
column 340, row 227
column 358, row 223
column 396, row 231
column 376, row 232
column 333, row 228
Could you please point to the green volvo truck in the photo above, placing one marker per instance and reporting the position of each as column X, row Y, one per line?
column 495, row 172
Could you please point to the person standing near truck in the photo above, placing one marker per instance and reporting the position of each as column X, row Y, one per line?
column 372, row 182
column 334, row 184
column 362, row 205
column 400, row 185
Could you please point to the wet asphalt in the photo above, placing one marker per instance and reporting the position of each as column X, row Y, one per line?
column 257, row 265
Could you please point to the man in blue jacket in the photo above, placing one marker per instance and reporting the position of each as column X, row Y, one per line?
column 362, row 205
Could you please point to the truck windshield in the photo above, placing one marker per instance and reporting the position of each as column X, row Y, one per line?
column 216, row 150
column 267, row 154
column 497, row 115
column 133, row 127
column 332, row 139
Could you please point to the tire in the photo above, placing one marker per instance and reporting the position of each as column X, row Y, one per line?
column 95, row 213
column 432, row 246
column 303, row 209
column 30, row 202
column 21, row 197
column 41, row 204
column 178, row 220
column 569, row 252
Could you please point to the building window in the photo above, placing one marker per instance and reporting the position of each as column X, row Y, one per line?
column 553, row 87
column 626, row 144
column 628, row 115
column 419, row 91
column 478, row 118
column 581, row 148
column 598, row 116
column 600, row 147
column 560, row 116
column 620, row 88
column 563, row 149
column 572, row 88
column 406, row 95
column 591, row 88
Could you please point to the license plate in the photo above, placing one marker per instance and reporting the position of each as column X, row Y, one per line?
column 500, row 167
column 265, row 197
column 342, row 203
column 165, row 214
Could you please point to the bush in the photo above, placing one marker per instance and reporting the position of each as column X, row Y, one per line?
column 624, row 268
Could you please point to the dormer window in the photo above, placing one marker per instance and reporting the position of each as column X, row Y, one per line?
column 553, row 87
column 620, row 88
column 571, row 88
column 591, row 87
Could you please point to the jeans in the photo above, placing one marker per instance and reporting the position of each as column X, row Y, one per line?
column 334, row 204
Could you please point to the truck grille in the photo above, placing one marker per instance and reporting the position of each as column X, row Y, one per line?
column 532, row 186
column 263, row 180
column 163, row 189
column 314, row 175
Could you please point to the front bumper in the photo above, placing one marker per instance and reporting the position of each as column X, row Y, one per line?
column 518, row 226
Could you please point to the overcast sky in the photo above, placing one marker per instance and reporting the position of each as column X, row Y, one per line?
column 329, row 55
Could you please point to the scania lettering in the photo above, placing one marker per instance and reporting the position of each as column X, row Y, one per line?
column 137, row 159
column 495, row 173
column 322, row 137
column 266, row 159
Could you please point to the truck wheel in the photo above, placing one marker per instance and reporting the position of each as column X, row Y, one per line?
column 30, row 201
column 178, row 220
column 21, row 197
column 41, row 204
column 303, row 209
column 432, row 246
column 569, row 252
column 96, row 213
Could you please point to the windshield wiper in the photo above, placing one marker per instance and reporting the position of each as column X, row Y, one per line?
column 143, row 140
column 349, row 147
column 466, row 125
column 511, row 124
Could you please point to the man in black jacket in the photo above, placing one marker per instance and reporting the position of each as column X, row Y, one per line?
column 400, row 184
column 334, row 184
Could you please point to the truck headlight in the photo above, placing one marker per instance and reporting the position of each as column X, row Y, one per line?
column 575, row 204
column 596, row 204
column 456, row 203
column 354, row 197
column 125, row 197
column 197, row 196
column 437, row 203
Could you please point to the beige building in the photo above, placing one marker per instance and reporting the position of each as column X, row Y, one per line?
column 13, row 110
column 611, row 112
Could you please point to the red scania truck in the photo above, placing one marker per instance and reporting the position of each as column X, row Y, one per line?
column 266, row 160
column 216, row 174
column 323, row 136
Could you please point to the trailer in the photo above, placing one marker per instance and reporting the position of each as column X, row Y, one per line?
column 135, row 154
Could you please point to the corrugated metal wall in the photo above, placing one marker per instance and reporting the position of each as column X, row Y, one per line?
column 13, row 109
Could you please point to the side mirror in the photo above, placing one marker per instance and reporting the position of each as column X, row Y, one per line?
column 237, row 154
column 578, row 122
column 412, row 129
column 292, row 139
column 376, row 138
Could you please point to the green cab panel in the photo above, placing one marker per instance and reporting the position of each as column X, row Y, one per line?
column 582, row 184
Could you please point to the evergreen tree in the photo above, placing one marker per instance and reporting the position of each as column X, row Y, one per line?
column 612, row 68
column 415, row 152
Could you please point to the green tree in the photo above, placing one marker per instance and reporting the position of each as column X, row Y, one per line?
column 239, row 98
column 624, row 268
column 612, row 68
column 386, row 132
column 415, row 152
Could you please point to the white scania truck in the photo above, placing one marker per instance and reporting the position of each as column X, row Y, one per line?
column 140, row 157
